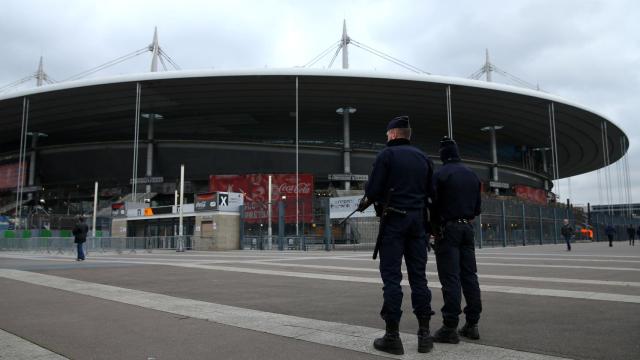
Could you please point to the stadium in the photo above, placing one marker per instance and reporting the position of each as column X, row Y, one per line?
column 131, row 133
column 236, row 122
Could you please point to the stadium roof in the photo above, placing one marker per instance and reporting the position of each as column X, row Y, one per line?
column 257, row 105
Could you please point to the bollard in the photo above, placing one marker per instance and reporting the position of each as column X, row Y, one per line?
column 504, row 226
column 555, row 226
column 327, row 224
column 281, row 225
column 480, row 230
column 540, row 221
column 524, row 227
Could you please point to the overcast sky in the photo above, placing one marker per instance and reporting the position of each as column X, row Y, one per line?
column 584, row 51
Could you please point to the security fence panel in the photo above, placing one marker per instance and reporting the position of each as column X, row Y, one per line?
column 548, row 231
column 62, row 245
column 491, row 231
column 355, row 234
column 515, row 231
column 313, row 225
column 301, row 225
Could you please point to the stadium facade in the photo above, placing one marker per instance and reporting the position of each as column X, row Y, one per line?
column 274, row 121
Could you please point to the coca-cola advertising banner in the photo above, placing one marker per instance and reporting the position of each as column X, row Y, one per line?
column 255, row 189
column 9, row 175
column 538, row 196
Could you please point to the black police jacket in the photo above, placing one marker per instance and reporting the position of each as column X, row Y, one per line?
column 457, row 192
column 405, row 169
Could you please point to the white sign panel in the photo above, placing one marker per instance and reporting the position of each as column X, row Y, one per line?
column 230, row 201
column 148, row 180
column 498, row 184
column 341, row 207
column 348, row 177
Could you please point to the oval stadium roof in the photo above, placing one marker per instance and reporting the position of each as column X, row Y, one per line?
column 257, row 105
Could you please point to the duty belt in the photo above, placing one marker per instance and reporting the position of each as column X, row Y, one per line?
column 457, row 221
column 390, row 209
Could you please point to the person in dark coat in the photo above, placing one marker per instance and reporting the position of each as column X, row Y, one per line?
column 80, row 231
column 457, row 203
column 638, row 233
column 567, row 232
column 631, row 231
column 400, row 183
column 610, row 231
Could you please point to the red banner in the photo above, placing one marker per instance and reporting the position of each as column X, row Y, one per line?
column 538, row 196
column 255, row 189
column 9, row 175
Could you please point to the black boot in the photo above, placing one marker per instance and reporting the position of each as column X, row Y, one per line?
column 447, row 334
column 425, row 340
column 390, row 342
column 470, row 331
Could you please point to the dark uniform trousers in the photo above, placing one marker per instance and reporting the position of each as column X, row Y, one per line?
column 456, row 260
column 404, row 235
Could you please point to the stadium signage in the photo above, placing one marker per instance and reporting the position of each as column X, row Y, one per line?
column 348, row 177
column 148, row 180
column 255, row 188
column 219, row 201
column 499, row 185
column 206, row 202
column 341, row 207
column 30, row 189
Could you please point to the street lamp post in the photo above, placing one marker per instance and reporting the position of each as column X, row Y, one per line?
column 269, row 228
column 150, row 135
column 346, row 149
column 494, row 152
column 180, row 247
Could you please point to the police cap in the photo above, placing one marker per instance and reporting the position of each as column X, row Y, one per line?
column 399, row 122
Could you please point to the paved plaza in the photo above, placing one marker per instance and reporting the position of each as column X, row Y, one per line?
column 540, row 302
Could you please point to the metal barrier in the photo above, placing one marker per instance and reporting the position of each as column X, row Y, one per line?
column 301, row 242
column 98, row 244
column 503, row 222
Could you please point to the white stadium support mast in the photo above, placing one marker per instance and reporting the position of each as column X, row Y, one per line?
column 155, row 50
column 344, row 45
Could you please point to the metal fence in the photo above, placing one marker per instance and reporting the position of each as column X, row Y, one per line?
column 503, row 222
column 99, row 244
column 309, row 230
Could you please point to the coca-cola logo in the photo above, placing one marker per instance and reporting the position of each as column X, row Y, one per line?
column 304, row 188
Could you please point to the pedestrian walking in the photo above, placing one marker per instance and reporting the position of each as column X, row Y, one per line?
column 610, row 231
column 80, row 231
column 399, row 187
column 457, row 203
column 567, row 232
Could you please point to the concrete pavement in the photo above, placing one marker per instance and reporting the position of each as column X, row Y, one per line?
column 583, row 304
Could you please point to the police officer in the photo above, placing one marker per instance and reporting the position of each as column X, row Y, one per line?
column 400, row 184
column 456, row 203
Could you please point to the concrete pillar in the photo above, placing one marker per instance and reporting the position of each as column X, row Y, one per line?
column 150, row 150
column 346, row 140
column 281, row 225
column 327, row 225
column 347, row 147
column 32, row 161
column 494, row 152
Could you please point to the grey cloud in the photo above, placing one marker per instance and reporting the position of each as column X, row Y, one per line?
column 584, row 51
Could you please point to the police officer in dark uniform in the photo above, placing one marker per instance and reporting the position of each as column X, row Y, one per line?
column 456, row 203
column 400, row 185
